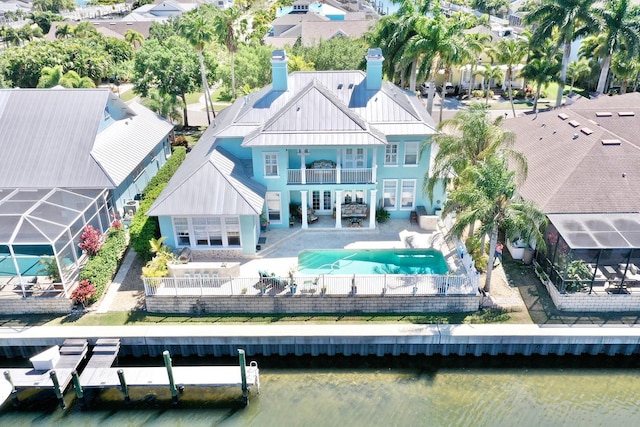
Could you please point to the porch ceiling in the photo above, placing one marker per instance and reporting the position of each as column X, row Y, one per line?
column 598, row 231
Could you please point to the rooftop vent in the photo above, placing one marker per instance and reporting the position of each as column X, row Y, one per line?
column 563, row 116
column 626, row 113
column 340, row 85
column 575, row 136
column 586, row 131
column 350, row 85
column 610, row 142
column 603, row 114
column 574, row 123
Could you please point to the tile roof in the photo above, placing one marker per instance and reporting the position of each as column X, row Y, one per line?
column 571, row 171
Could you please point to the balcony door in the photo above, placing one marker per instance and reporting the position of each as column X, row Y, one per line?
column 354, row 158
column 322, row 201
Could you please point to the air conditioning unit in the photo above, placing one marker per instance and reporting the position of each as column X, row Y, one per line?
column 301, row 152
column 131, row 207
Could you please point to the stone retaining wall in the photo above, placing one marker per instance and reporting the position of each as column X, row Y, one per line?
column 311, row 304
column 33, row 305
column 593, row 303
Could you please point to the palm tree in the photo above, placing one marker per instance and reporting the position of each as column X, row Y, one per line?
column 476, row 45
column 542, row 71
column 166, row 105
column 53, row 76
column 569, row 19
column 577, row 70
column 64, row 31
column 466, row 139
column 510, row 52
column 489, row 73
column 621, row 24
column 71, row 79
column 197, row 29
column 84, row 30
column 488, row 193
column 297, row 63
column 625, row 68
column 50, row 76
column 227, row 26
column 134, row 38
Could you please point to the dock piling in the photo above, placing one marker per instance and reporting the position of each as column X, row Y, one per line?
column 56, row 389
column 124, row 387
column 172, row 384
column 14, row 391
column 77, row 387
column 243, row 375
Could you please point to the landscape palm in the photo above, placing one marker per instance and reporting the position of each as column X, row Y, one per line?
column 197, row 29
column 566, row 20
column 541, row 70
column 166, row 105
column 510, row 52
column 488, row 74
column 625, row 68
column 488, row 194
column 621, row 27
column 64, row 31
column 476, row 43
column 134, row 38
column 228, row 24
column 55, row 76
column 84, row 30
column 577, row 70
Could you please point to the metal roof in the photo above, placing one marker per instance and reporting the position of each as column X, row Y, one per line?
column 598, row 231
column 229, row 190
column 46, row 136
column 122, row 146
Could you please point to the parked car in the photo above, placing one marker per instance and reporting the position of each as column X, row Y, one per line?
column 449, row 88
column 424, row 88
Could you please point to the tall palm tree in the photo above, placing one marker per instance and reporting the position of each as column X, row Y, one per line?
column 227, row 26
column 134, row 38
column 577, row 70
column 488, row 194
column 476, row 43
column 621, row 24
column 197, row 29
column 625, row 68
column 541, row 70
column 510, row 52
column 568, row 19
column 489, row 73
column 467, row 138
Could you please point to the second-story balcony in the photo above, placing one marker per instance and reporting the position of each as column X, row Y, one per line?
column 331, row 176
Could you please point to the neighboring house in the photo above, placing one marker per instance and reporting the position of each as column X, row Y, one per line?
column 583, row 174
column 14, row 13
column 316, row 141
column 107, row 28
column 70, row 157
column 312, row 22
column 159, row 12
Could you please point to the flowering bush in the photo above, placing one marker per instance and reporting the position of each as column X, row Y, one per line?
column 90, row 240
column 116, row 223
column 84, row 292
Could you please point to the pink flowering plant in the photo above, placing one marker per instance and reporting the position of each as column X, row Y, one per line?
column 83, row 292
column 90, row 240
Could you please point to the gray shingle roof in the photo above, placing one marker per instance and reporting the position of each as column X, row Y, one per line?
column 572, row 172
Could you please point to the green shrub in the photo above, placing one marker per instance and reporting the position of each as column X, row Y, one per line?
column 477, row 93
column 144, row 228
column 102, row 267
column 481, row 260
column 382, row 215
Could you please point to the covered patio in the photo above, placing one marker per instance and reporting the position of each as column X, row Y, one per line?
column 39, row 234
column 593, row 253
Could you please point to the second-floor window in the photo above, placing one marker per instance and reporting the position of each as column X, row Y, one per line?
column 411, row 153
column 391, row 154
column 271, row 164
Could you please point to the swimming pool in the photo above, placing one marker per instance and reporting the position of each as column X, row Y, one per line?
column 372, row 261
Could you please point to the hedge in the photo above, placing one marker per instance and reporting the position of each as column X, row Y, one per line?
column 101, row 268
column 144, row 228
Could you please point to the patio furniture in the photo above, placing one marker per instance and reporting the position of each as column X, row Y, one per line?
column 269, row 281
column 353, row 210
column 355, row 222
column 311, row 215
column 413, row 217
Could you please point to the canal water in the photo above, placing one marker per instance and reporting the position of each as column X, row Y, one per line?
column 356, row 391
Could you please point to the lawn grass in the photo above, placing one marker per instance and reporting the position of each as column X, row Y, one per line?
column 128, row 95
column 193, row 98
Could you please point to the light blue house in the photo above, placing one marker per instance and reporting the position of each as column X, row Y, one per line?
column 341, row 144
column 70, row 157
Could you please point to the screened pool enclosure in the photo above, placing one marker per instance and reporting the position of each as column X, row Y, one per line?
column 39, row 234
column 593, row 252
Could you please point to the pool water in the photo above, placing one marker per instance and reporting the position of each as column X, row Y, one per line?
column 372, row 261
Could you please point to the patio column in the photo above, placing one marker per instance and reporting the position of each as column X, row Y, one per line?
column 303, row 201
column 303, row 169
column 338, row 208
column 17, row 267
column 338, row 170
column 372, row 209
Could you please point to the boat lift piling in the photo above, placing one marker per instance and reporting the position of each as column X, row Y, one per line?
column 124, row 387
column 56, row 388
column 14, row 390
column 172, row 384
column 243, row 376
column 78, row 387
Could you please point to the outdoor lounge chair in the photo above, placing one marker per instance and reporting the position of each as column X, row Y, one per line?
column 269, row 281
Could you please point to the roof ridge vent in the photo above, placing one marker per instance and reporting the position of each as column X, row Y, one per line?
column 611, row 142
column 626, row 113
column 603, row 114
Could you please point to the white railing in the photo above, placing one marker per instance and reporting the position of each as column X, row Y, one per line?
column 326, row 284
column 330, row 176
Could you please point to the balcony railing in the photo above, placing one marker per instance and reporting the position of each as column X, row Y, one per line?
column 330, row 176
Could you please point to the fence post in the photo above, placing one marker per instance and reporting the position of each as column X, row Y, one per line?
column 175, row 285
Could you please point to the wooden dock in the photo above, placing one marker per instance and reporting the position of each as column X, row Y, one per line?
column 72, row 352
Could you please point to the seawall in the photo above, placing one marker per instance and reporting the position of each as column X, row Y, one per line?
column 317, row 339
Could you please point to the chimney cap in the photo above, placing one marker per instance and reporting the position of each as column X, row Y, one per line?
column 279, row 55
column 375, row 53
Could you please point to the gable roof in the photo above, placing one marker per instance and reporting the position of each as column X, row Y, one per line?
column 571, row 170
column 313, row 32
column 64, row 138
